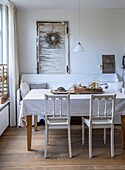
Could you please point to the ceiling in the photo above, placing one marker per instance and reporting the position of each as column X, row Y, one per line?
column 67, row 4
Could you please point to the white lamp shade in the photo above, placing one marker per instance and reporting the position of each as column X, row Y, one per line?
column 79, row 48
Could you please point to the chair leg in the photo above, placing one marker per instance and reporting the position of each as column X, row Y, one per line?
column 69, row 142
column 104, row 135
column 90, row 142
column 112, row 141
column 83, row 132
column 46, row 140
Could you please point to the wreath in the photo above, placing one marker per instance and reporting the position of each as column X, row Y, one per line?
column 53, row 38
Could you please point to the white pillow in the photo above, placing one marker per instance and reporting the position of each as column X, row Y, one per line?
column 38, row 86
column 116, row 86
column 24, row 87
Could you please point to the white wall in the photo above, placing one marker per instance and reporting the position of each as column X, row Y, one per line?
column 102, row 31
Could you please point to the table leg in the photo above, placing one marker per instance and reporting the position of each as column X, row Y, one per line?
column 29, row 132
column 123, row 130
column 35, row 122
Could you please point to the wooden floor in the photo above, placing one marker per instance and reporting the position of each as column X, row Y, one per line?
column 14, row 155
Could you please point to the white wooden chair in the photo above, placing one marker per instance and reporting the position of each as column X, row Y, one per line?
column 102, row 109
column 57, row 116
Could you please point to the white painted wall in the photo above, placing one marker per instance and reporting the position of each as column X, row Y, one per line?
column 102, row 31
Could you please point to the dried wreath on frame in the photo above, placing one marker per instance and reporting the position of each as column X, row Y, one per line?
column 53, row 38
column 52, row 47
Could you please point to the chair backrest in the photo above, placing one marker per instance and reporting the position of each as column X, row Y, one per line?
column 57, row 106
column 102, row 106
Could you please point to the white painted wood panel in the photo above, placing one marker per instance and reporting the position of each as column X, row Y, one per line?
column 52, row 47
column 4, row 119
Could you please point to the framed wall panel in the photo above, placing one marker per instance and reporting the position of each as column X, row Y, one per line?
column 108, row 63
column 53, row 47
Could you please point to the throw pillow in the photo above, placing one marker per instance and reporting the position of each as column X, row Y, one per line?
column 38, row 86
column 117, row 86
column 24, row 87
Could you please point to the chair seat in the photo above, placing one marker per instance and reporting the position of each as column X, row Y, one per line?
column 57, row 117
column 58, row 123
column 98, row 122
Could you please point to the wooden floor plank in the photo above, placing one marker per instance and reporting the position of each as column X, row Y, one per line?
column 14, row 154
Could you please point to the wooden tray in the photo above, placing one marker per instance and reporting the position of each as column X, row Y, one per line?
column 62, row 92
column 88, row 90
column 77, row 92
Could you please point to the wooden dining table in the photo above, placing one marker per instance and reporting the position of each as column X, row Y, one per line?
column 33, row 105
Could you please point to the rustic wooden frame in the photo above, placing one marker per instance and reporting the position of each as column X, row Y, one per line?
column 50, row 41
column 108, row 63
